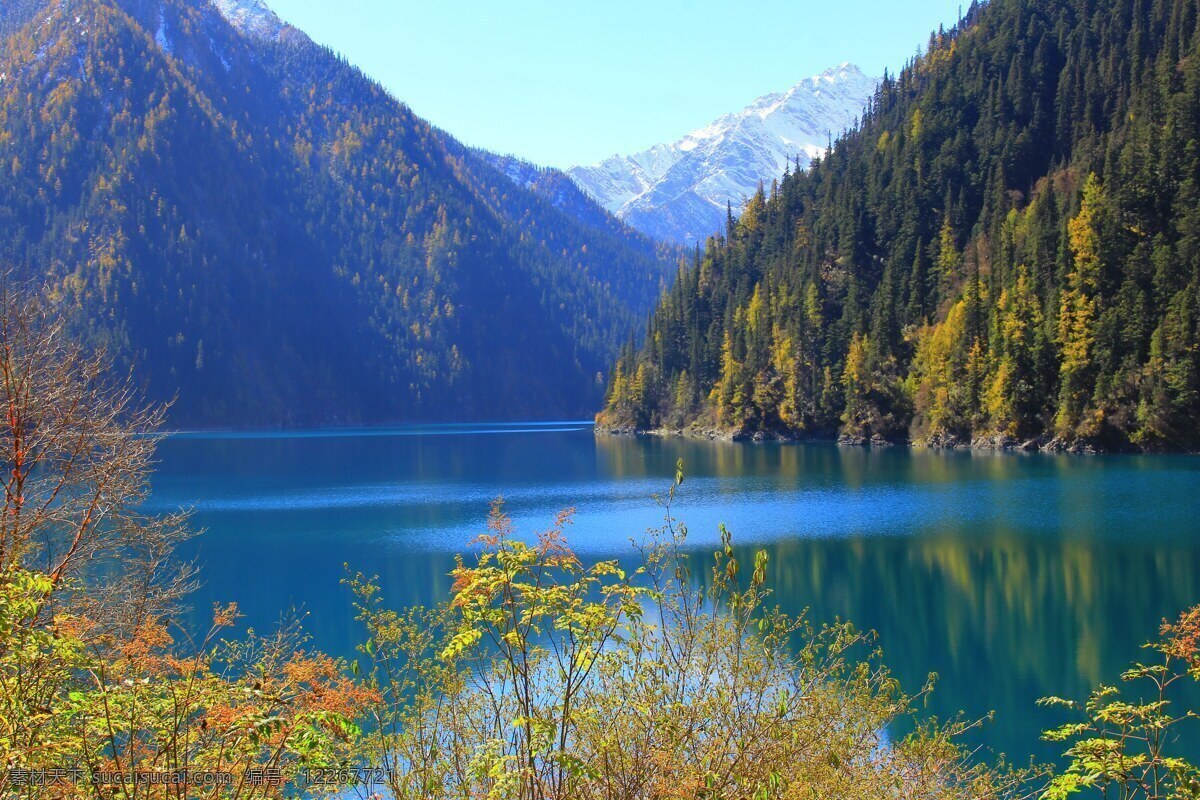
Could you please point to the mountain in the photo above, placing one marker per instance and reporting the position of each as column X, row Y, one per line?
column 250, row 223
column 1006, row 252
column 563, row 193
column 681, row 192
column 252, row 18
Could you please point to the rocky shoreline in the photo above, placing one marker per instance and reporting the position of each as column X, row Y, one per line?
column 990, row 443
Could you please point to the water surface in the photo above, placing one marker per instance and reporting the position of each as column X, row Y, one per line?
column 1011, row 576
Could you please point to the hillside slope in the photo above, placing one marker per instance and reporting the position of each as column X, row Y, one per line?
column 1005, row 252
column 252, row 224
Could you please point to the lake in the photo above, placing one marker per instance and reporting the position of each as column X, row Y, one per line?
column 1012, row 576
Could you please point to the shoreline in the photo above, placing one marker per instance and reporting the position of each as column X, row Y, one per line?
column 996, row 443
column 353, row 428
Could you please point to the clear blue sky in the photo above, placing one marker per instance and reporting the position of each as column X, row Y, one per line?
column 569, row 82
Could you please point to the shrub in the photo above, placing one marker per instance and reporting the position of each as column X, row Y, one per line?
column 544, row 677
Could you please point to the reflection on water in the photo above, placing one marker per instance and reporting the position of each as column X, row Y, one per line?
column 1012, row 576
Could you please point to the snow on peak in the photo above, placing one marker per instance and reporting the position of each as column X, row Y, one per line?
column 679, row 191
column 842, row 71
column 252, row 17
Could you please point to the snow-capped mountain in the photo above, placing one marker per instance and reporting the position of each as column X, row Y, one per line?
column 253, row 18
column 678, row 192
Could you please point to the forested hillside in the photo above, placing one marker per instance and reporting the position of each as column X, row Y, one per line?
column 254, row 225
column 1006, row 251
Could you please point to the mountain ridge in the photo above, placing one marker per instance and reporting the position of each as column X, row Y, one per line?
column 252, row 18
column 681, row 191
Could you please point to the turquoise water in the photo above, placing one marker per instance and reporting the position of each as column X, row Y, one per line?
column 1011, row 576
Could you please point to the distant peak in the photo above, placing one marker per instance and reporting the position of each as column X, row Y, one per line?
column 251, row 17
column 680, row 191
column 843, row 70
